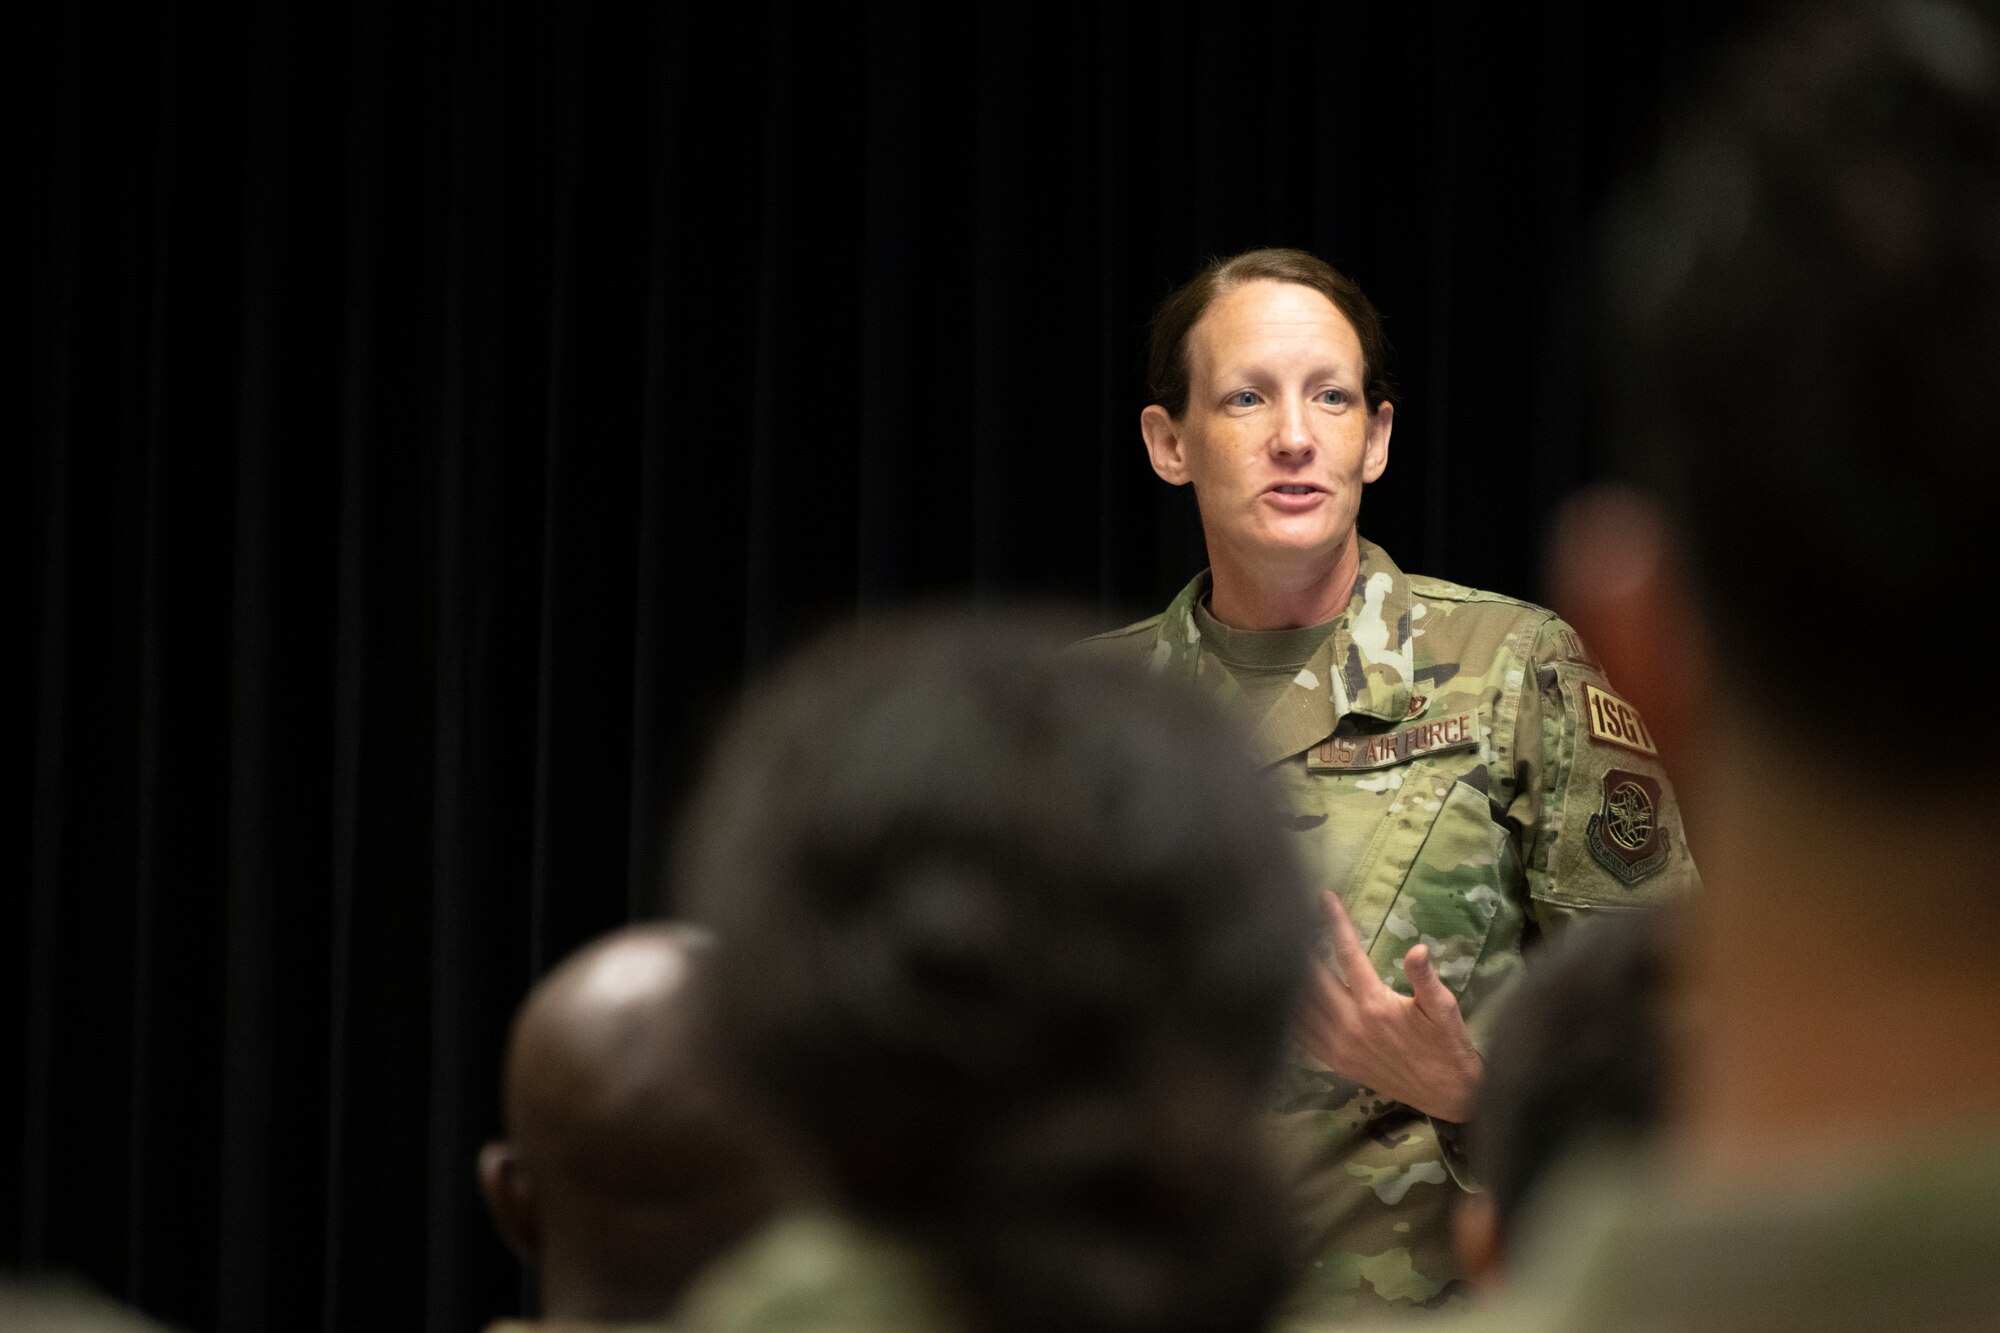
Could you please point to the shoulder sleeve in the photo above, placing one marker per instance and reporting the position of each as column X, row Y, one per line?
column 1600, row 827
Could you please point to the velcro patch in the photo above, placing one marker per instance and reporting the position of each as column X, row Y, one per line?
column 1625, row 836
column 1354, row 754
column 1572, row 649
column 1615, row 722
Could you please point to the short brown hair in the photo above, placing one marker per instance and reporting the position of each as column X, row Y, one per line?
column 1167, row 354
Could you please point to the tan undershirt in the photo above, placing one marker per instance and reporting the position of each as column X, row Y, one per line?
column 1262, row 662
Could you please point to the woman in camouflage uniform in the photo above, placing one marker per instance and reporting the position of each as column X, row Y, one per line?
column 1457, row 772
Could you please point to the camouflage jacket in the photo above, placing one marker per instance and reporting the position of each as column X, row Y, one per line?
column 1905, row 1241
column 1496, row 786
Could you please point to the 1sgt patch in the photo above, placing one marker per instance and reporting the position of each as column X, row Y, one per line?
column 1625, row 836
column 1615, row 722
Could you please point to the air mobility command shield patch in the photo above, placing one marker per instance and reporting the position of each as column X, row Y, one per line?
column 1625, row 835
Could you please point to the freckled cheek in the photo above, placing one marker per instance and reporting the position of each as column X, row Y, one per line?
column 1224, row 465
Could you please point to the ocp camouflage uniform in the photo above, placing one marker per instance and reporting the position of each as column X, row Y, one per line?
column 1900, row 1238
column 1456, row 767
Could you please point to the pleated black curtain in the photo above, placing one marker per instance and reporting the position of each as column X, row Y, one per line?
column 425, row 418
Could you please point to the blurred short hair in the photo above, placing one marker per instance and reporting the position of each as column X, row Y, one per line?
column 1011, row 937
column 1804, row 325
column 1576, row 1053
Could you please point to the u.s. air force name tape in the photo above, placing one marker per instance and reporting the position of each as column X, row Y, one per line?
column 1358, row 753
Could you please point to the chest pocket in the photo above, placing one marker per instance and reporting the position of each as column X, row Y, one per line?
column 1432, row 873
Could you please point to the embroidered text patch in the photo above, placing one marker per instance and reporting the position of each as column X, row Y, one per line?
column 1353, row 754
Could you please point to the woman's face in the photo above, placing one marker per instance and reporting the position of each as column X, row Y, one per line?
column 1277, row 439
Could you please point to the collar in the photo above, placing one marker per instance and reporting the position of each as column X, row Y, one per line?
column 1365, row 667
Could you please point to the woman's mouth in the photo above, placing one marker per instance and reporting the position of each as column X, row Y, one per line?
column 1294, row 495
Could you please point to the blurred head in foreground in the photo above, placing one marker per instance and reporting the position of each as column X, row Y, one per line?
column 624, row 1169
column 1574, row 1055
column 1804, row 302
column 1011, row 941
column 1805, row 322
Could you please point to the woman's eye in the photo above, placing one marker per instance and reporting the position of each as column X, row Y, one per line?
column 1333, row 397
column 1243, row 398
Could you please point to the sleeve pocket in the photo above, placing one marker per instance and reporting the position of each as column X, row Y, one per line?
column 1432, row 874
column 1617, row 839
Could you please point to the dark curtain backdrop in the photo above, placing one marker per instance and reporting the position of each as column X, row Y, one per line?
column 425, row 418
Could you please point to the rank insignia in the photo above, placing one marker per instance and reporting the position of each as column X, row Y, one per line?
column 1572, row 649
column 1611, row 720
column 1625, row 836
column 1418, row 703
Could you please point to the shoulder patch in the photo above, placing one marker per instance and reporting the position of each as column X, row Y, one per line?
column 1611, row 832
column 1626, row 835
column 1613, row 721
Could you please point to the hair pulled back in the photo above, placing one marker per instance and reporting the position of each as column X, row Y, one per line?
column 1167, row 370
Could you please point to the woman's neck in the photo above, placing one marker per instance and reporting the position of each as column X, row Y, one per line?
column 1282, row 597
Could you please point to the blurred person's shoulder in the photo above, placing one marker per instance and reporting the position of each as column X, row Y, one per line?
column 811, row 1270
column 1612, row 1245
column 45, row 1305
